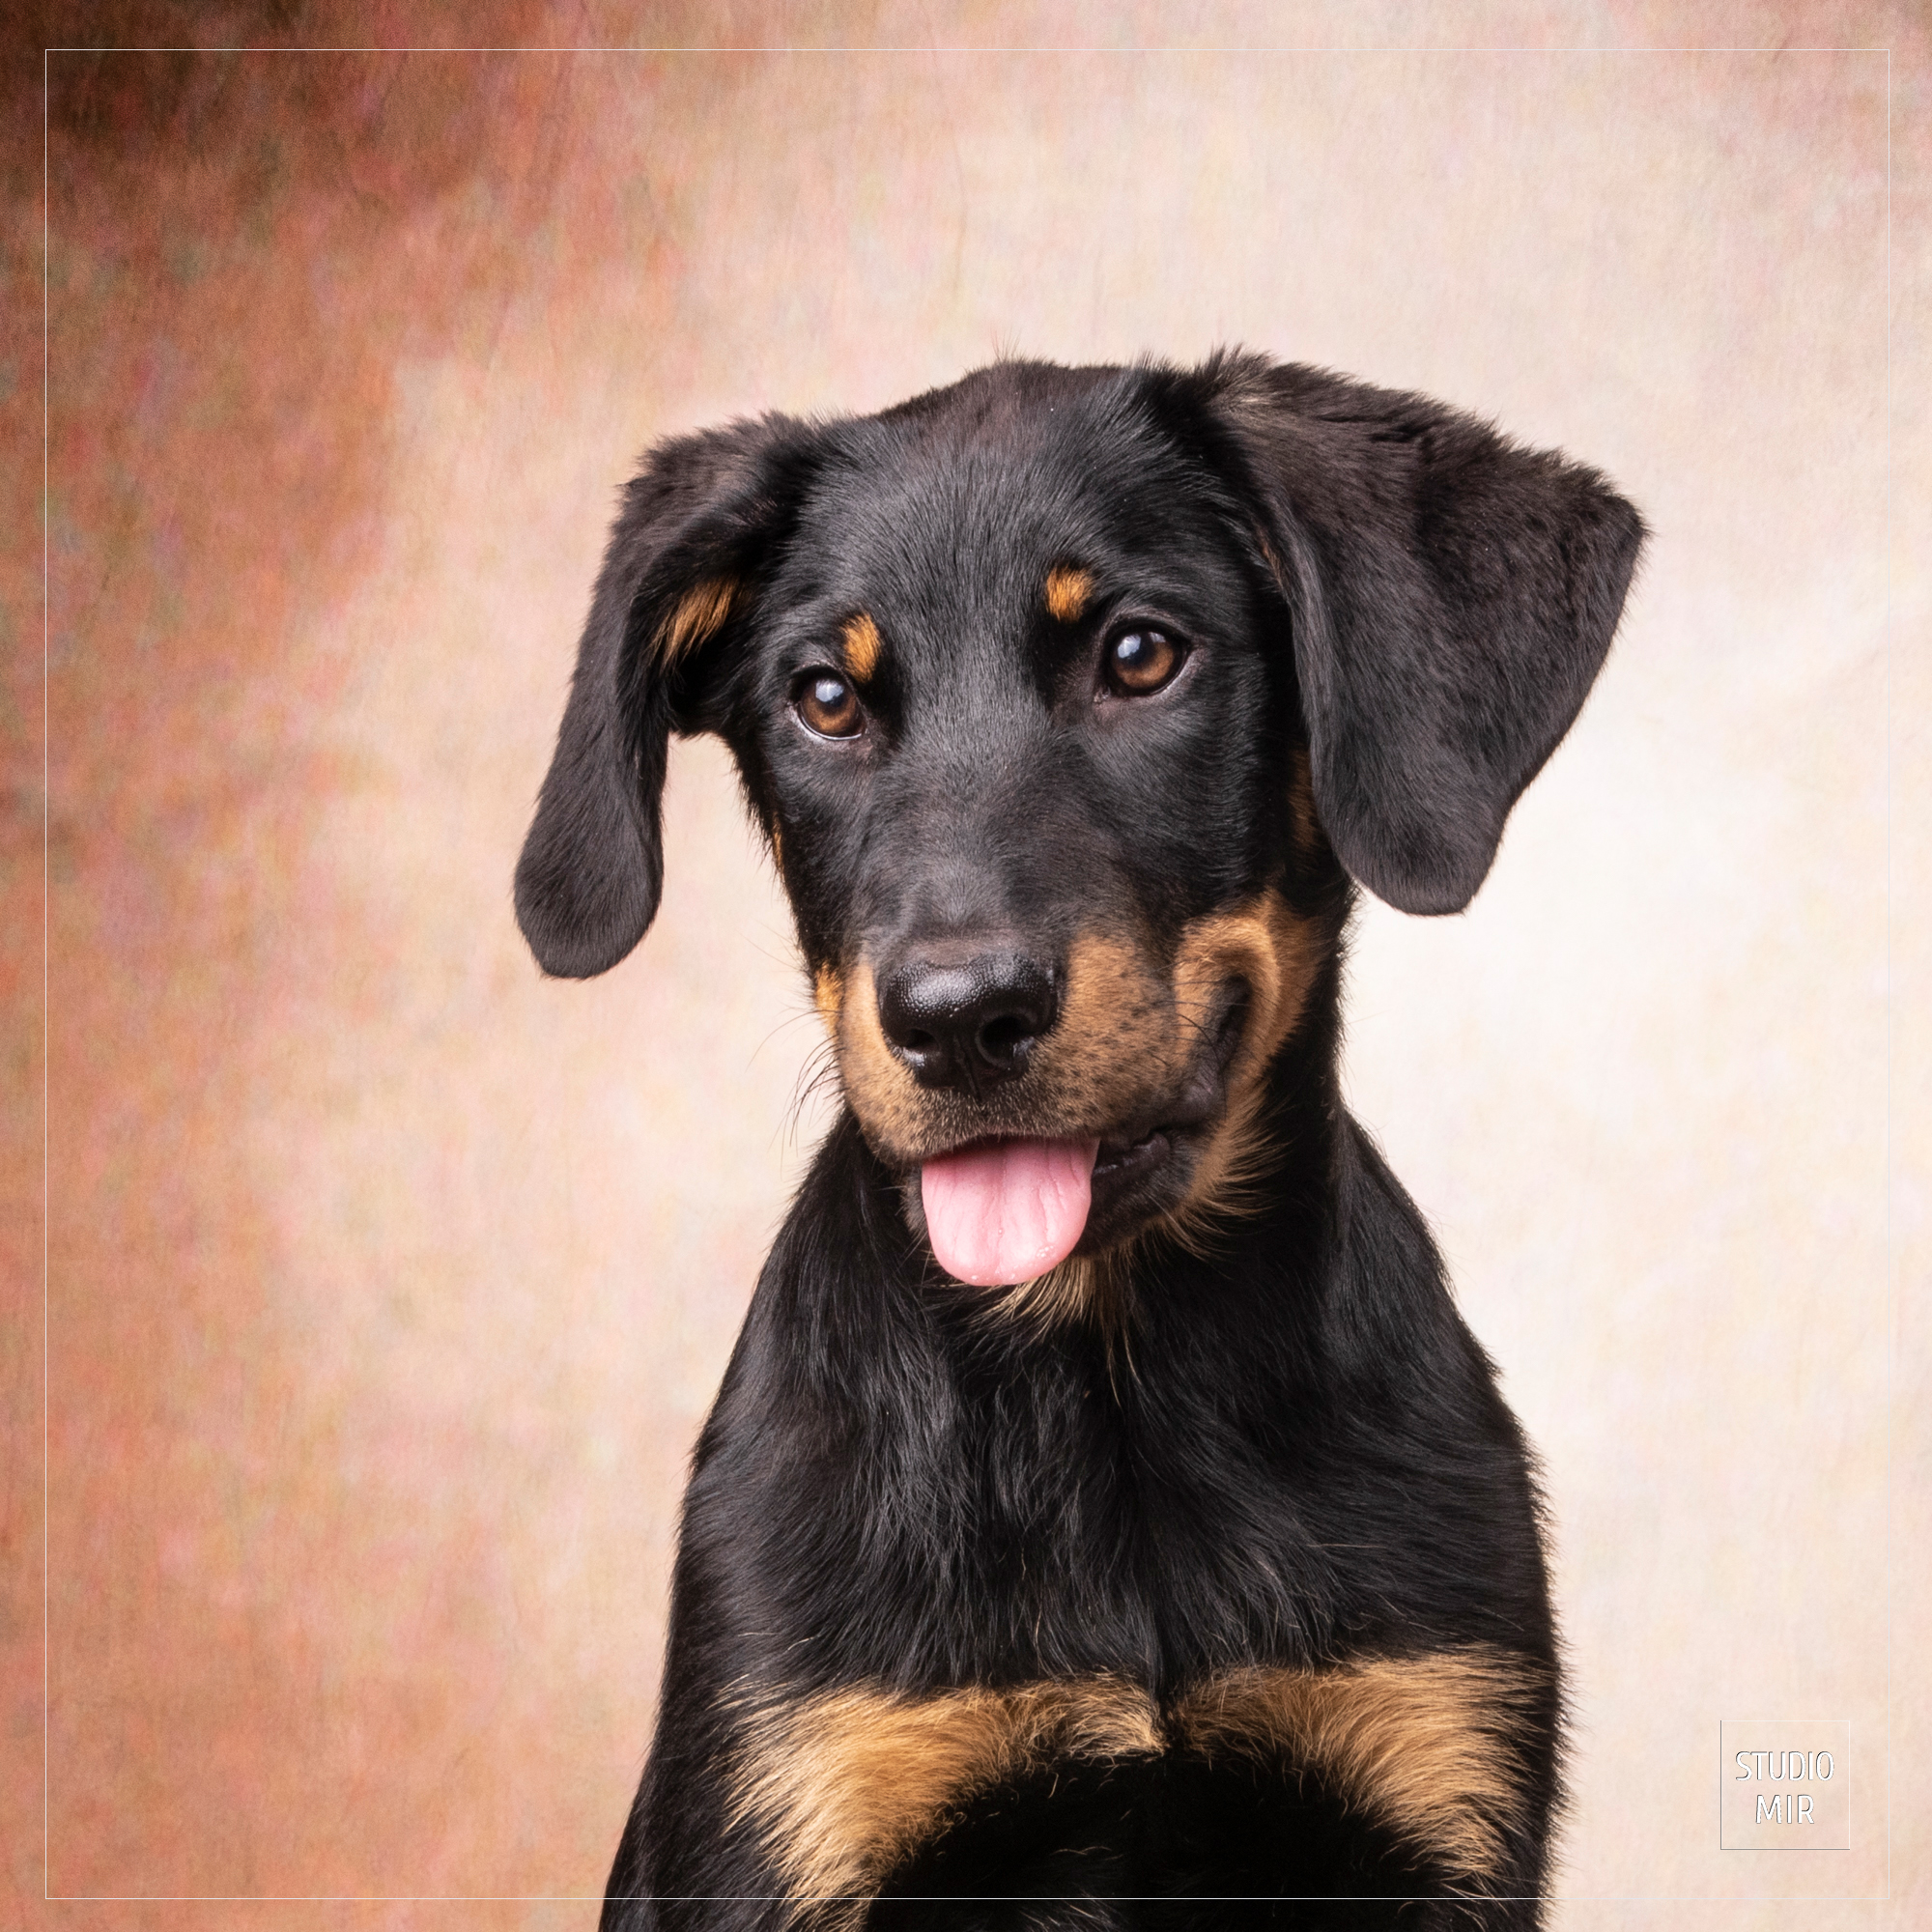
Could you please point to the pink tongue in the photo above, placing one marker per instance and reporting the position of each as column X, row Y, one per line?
column 1008, row 1211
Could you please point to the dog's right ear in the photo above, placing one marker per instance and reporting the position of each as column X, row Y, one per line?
column 680, row 576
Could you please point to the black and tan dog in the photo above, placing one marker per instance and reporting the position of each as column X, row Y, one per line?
column 1106, row 1516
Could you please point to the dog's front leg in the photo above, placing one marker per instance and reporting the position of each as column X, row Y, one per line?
column 691, row 1857
column 761, row 1813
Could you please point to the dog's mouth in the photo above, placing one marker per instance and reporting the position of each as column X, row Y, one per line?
column 1008, row 1209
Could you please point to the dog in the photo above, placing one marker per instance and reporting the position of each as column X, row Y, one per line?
column 1106, row 1519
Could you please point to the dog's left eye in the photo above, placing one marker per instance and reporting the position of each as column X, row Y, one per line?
column 1139, row 662
column 827, row 705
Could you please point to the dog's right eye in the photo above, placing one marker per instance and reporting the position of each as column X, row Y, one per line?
column 1139, row 661
column 827, row 705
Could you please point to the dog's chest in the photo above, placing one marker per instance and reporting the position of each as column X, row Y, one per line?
column 1056, row 1517
column 1085, row 1630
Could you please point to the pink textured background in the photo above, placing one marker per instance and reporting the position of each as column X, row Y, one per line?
column 387, row 1285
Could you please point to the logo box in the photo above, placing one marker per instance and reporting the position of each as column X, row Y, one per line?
column 1785, row 1784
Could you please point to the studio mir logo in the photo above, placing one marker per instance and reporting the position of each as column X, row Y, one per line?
column 1779, row 1767
column 1785, row 1785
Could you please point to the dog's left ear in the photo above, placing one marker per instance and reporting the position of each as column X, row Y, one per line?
column 1450, row 597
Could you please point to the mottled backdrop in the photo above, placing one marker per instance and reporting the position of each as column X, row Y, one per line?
column 386, row 1284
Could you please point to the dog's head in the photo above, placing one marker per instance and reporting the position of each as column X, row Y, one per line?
column 1071, row 699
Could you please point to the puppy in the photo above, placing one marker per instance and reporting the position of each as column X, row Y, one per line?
column 1106, row 1519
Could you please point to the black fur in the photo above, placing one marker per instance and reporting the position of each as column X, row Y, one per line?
column 1277, row 1445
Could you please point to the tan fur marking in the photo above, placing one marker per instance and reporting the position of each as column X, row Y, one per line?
column 1068, row 591
column 1083, row 1286
column 1422, row 1742
column 1310, row 841
column 700, row 611
column 1112, row 1006
column 845, row 1784
column 1272, row 561
column 863, row 646
column 828, row 995
column 777, row 848
column 1268, row 944
column 884, row 1095
column 1123, row 1034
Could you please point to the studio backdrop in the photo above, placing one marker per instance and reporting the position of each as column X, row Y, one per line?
column 388, row 1283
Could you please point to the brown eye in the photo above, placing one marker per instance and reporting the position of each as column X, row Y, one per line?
column 1138, row 662
column 828, row 705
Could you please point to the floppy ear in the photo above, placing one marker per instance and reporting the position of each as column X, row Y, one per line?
column 1452, row 597
column 680, row 571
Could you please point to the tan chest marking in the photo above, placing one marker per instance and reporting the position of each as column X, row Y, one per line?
column 1423, row 1744
column 845, row 1786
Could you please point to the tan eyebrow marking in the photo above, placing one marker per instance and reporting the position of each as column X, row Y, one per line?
column 698, row 614
column 1068, row 590
column 863, row 646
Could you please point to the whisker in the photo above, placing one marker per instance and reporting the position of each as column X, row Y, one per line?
column 817, row 1074
column 789, row 1021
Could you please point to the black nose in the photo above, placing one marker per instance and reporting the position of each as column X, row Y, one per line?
column 968, row 1024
